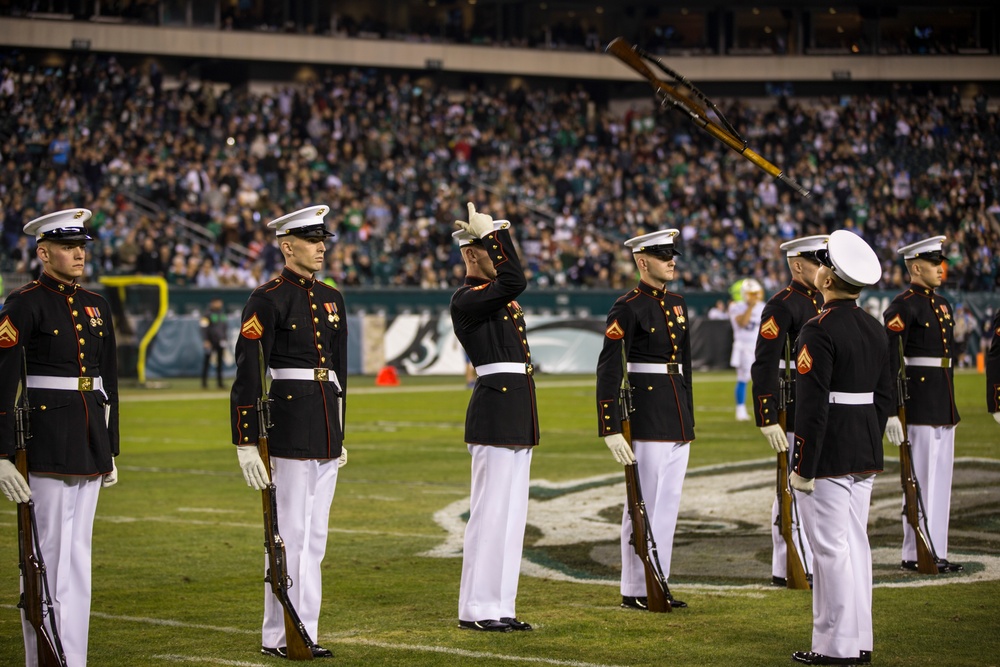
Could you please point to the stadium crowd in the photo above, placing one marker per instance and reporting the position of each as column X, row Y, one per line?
column 397, row 158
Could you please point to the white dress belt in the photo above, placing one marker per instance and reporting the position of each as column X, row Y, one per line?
column 933, row 362
column 311, row 374
column 666, row 368
column 852, row 398
column 502, row 367
column 66, row 384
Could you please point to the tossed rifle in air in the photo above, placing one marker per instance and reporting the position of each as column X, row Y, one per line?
column 658, row 597
column 913, row 503
column 299, row 644
column 693, row 103
column 36, row 600
column 795, row 573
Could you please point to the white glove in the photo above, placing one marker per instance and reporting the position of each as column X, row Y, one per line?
column 479, row 224
column 342, row 461
column 800, row 483
column 13, row 485
column 619, row 448
column 776, row 437
column 111, row 478
column 253, row 467
column 996, row 416
column 894, row 431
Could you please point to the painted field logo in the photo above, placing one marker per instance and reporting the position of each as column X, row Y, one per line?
column 723, row 536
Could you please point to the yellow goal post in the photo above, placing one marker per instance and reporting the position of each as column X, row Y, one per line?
column 121, row 283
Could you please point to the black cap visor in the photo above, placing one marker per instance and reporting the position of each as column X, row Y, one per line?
column 664, row 252
column 313, row 232
column 66, row 234
column 934, row 257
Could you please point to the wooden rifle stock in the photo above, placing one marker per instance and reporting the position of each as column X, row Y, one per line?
column 795, row 574
column 658, row 595
column 912, row 503
column 35, row 599
column 628, row 55
column 299, row 645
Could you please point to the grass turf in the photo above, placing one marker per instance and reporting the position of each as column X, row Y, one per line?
column 177, row 547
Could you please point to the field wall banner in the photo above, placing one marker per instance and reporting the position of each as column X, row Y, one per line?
column 426, row 344
column 423, row 344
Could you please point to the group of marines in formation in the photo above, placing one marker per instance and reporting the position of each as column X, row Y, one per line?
column 294, row 328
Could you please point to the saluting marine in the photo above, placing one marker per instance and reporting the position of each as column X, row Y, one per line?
column 301, row 324
column 844, row 395
column 501, row 422
column 653, row 326
column 67, row 335
column 922, row 319
column 781, row 321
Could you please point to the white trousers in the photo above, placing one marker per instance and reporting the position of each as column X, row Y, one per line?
column 494, row 536
column 741, row 359
column 835, row 516
column 305, row 492
column 779, row 559
column 662, row 466
column 64, row 513
column 933, row 449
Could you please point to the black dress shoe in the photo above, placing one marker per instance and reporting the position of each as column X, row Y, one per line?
column 810, row 658
column 279, row 652
column 943, row 566
column 677, row 604
column 865, row 658
column 779, row 581
column 641, row 603
column 515, row 624
column 489, row 625
column 320, row 652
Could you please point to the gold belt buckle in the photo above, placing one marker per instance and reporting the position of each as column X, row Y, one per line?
column 945, row 362
column 673, row 368
column 85, row 384
column 321, row 374
column 529, row 369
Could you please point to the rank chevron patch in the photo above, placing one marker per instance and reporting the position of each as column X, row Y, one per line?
column 895, row 324
column 252, row 328
column 770, row 329
column 615, row 331
column 805, row 360
column 8, row 333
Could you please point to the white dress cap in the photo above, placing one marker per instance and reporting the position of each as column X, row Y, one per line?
column 804, row 245
column 930, row 247
column 306, row 223
column 653, row 242
column 465, row 238
column 853, row 260
column 62, row 225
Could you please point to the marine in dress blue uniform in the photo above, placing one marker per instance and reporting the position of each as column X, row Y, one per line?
column 993, row 371
column 69, row 341
column 784, row 315
column 301, row 323
column 922, row 319
column 501, row 422
column 652, row 325
column 844, row 393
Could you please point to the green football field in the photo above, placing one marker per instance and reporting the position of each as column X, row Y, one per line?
column 178, row 543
